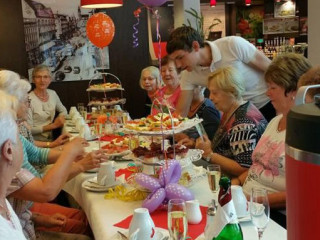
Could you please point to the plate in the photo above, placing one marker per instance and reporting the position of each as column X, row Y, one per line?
column 91, row 138
column 92, row 185
column 93, row 170
column 119, row 154
column 73, row 130
column 160, row 234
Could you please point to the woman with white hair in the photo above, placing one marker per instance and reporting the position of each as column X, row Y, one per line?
column 10, row 163
column 44, row 104
column 43, row 189
column 240, row 128
column 10, row 83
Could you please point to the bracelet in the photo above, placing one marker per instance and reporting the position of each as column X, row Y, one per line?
column 208, row 158
column 48, row 144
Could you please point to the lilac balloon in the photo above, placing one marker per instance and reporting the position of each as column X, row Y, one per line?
column 152, row 3
column 174, row 190
column 147, row 181
column 154, row 200
column 170, row 173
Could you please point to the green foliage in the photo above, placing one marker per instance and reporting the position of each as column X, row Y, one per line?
column 199, row 22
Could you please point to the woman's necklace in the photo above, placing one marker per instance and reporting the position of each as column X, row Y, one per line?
column 193, row 110
column 43, row 98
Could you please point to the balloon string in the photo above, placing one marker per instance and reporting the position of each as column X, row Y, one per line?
column 135, row 33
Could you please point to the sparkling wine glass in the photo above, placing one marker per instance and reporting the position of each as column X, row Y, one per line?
column 99, row 130
column 214, row 175
column 177, row 219
column 259, row 209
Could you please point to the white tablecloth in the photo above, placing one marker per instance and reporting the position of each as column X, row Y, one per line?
column 104, row 213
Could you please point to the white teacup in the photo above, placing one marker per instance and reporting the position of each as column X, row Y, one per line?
column 141, row 220
column 106, row 175
column 193, row 211
column 239, row 201
column 79, row 123
column 73, row 110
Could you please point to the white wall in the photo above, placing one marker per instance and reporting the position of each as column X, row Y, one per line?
column 313, row 32
column 210, row 13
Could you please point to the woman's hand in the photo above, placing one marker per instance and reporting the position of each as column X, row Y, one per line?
column 55, row 220
column 92, row 160
column 204, row 145
column 188, row 142
column 62, row 139
column 59, row 121
column 76, row 147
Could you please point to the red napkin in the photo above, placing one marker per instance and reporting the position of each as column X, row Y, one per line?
column 126, row 171
column 160, row 219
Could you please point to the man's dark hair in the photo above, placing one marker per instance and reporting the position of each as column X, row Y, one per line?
column 182, row 39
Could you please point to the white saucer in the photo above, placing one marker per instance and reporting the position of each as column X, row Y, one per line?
column 91, row 138
column 92, row 185
column 93, row 170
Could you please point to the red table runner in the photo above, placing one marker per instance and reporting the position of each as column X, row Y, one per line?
column 160, row 219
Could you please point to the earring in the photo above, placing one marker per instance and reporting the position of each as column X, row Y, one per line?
column 293, row 97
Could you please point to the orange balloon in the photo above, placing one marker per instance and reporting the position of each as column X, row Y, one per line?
column 100, row 30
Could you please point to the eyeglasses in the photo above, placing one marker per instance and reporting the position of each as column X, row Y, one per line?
column 46, row 77
column 148, row 79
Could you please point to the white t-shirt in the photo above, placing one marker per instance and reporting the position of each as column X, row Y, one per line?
column 11, row 229
column 268, row 161
column 231, row 51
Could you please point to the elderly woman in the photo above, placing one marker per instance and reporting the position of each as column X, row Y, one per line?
column 27, row 186
column 169, row 94
column 240, row 128
column 44, row 104
column 268, row 167
column 311, row 77
column 10, row 163
column 150, row 81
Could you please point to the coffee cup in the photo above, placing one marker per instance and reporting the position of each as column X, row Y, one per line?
column 239, row 201
column 106, row 174
column 141, row 225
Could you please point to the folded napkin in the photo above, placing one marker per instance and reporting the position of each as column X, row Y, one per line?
column 126, row 171
column 160, row 219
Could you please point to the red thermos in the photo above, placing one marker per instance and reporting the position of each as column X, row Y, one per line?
column 303, row 171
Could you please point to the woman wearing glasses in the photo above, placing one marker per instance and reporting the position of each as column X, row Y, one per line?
column 44, row 105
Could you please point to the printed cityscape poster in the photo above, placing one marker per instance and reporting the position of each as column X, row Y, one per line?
column 55, row 35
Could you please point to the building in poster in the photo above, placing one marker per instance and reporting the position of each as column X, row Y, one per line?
column 55, row 35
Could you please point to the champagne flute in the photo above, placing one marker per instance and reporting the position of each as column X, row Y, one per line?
column 177, row 219
column 259, row 209
column 214, row 175
column 99, row 130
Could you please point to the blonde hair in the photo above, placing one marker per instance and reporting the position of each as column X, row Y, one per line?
column 228, row 79
column 154, row 72
column 285, row 71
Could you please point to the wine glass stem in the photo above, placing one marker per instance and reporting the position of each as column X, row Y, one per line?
column 260, row 233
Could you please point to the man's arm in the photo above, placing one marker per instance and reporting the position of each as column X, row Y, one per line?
column 184, row 102
column 260, row 61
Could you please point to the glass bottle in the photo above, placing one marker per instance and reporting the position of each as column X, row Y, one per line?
column 211, row 212
column 232, row 230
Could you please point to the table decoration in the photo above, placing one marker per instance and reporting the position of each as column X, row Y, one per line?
column 164, row 188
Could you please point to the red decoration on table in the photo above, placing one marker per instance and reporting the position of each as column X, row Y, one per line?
column 126, row 171
column 160, row 219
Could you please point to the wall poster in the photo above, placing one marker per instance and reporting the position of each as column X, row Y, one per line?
column 55, row 35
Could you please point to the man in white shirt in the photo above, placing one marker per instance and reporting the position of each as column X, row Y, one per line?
column 199, row 58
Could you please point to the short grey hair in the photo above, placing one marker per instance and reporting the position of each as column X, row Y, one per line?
column 39, row 68
column 11, row 83
column 8, row 124
column 155, row 72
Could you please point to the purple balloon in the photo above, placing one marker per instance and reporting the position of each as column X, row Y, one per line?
column 170, row 173
column 154, row 200
column 152, row 3
column 174, row 190
column 147, row 181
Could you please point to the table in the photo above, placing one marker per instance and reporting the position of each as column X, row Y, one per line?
column 104, row 213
